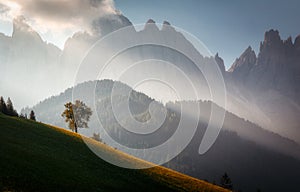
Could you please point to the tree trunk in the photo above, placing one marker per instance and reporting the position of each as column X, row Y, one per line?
column 76, row 130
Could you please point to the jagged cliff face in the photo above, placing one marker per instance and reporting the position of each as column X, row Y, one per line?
column 29, row 63
column 277, row 66
column 220, row 63
column 23, row 56
column 271, row 82
column 243, row 65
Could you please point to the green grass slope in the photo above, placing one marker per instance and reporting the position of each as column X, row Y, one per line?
column 39, row 157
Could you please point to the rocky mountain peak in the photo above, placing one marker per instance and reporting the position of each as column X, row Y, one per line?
column 166, row 23
column 109, row 23
column 19, row 24
column 220, row 62
column 167, row 26
column 245, row 62
column 21, row 30
column 272, row 36
column 297, row 42
column 288, row 44
column 150, row 21
column 275, row 67
column 243, row 65
column 249, row 51
column 272, row 42
column 151, row 25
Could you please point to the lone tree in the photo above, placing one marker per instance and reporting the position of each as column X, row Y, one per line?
column 32, row 115
column 226, row 182
column 77, row 115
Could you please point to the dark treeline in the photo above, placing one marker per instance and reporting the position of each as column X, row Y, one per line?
column 7, row 108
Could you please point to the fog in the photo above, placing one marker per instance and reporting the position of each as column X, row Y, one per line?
column 158, row 61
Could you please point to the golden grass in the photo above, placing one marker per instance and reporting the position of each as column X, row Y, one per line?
column 171, row 178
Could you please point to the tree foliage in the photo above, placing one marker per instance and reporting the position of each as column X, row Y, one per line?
column 32, row 116
column 3, row 108
column 23, row 116
column 7, row 108
column 226, row 182
column 77, row 115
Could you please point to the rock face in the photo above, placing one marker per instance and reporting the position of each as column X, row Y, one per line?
column 109, row 23
column 220, row 63
column 23, row 56
column 275, row 68
column 272, row 81
column 37, row 62
column 243, row 65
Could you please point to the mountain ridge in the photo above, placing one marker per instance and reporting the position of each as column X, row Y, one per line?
column 241, row 144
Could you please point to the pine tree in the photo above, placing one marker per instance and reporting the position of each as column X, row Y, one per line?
column 226, row 182
column 22, row 116
column 10, row 108
column 32, row 115
column 3, row 107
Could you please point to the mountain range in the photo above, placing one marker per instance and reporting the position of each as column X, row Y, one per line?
column 262, row 98
column 262, row 88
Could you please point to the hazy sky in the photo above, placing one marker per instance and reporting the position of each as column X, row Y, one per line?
column 227, row 27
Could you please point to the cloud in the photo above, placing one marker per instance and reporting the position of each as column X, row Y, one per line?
column 57, row 16
column 8, row 9
column 60, row 11
column 4, row 9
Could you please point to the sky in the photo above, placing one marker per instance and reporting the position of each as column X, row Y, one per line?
column 227, row 27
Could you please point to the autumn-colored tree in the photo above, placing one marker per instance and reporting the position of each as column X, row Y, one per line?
column 77, row 115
